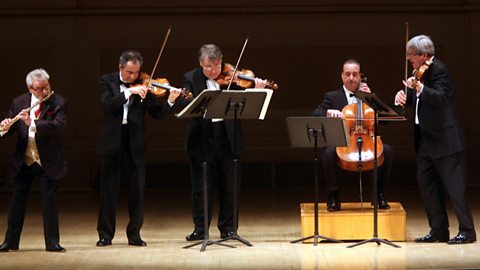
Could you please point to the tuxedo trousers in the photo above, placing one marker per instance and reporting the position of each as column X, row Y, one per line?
column 331, row 169
column 115, row 170
column 437, row 178
column 220, row 163
column 22, row 183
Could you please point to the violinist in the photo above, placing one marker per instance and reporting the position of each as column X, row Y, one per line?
column 331, row 106
column 38, row 154
column 439, row 143
column 122, row 144
column 218, row 147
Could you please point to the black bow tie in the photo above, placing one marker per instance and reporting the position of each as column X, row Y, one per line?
column 124, row 83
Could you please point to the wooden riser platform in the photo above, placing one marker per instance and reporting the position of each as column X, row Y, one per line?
column 355, row 222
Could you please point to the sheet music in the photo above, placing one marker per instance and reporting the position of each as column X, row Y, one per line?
column 205, row 96
column 269, row 93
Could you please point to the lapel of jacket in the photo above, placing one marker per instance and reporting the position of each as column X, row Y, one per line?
column 23, row 104
column 200, row 80
column 343, row 97
column 48, row 105
column 115, row 81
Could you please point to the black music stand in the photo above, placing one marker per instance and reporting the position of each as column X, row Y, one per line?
column 236, row 105
column 197, row 108
column 316, row 132
column 228, row 104
column 391, row 114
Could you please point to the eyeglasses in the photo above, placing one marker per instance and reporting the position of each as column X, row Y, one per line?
column 40, row 89
column 210, row 68
column 409, row 54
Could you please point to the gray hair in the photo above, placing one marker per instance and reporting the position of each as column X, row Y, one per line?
column 210, row 51
column 36, row 74
column 130, row 56
column 421, row 44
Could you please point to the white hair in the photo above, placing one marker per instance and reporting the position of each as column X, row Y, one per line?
column 38, row 74
column 421, row 44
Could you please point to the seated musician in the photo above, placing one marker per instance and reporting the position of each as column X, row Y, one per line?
column 331, row 106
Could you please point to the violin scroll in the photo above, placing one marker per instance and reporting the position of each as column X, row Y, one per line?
column 159, row 87
column 244, row 78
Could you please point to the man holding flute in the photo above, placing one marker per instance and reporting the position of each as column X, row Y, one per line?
column 38, row 118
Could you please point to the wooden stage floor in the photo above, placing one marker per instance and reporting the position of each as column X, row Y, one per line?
column 269, row 219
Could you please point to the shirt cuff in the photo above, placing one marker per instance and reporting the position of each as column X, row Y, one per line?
column 420, row 91
column 127, row 93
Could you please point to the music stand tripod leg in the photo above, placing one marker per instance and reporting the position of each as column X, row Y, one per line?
column 235, row 208
column 316, row 235
column 375, row 237
column 206, row 241
column 235, row 182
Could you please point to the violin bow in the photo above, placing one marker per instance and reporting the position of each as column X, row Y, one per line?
column 406, row 61
column 160, row 54
column 238, row 62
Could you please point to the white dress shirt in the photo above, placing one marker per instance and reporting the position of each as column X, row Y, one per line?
column 213, row 85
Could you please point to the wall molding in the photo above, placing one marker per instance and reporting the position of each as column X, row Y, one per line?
column 241, row 10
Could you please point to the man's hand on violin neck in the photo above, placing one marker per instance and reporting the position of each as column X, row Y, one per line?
column 174, row 94
column 410, row 83
column 260, row 83
column 413, row 83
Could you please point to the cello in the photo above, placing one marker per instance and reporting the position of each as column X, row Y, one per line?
column 359, row 155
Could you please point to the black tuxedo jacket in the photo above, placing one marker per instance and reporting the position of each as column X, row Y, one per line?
column 112, row 101
column 441, row 130
column 196, row 82
column 333, row 100
column 51, row 121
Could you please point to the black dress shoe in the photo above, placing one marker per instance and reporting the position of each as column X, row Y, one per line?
column 382, row 202
column 137, row 242
column 195, row 235
column 56, row 248
column 5, row 247
column 461, row 238
column 430, row 238
column 228, row 234
column 333, row 203
column 103, row 242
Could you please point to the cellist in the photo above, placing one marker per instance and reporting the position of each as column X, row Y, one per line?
column 331, row 106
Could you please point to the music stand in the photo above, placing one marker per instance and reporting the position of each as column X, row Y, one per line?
column 236, row 105
column 231, row 104
column 390, row 114
column 316, row 132
column 197, row 108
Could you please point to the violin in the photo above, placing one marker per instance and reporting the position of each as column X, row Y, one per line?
column 359, row 120
column 159, row 86
column 418, row 73
column 244, row 78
